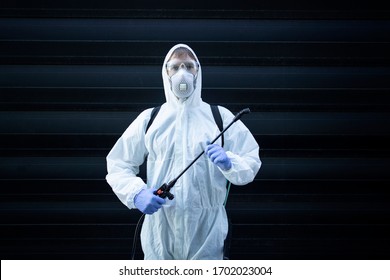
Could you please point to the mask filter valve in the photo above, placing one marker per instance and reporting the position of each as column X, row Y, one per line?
column 183, row 87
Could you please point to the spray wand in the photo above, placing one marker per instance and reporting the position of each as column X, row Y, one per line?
column 164, row 190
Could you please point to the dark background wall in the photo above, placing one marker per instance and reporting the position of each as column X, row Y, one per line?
column 74, row 74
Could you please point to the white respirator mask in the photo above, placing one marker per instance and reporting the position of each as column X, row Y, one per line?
column 183, row 83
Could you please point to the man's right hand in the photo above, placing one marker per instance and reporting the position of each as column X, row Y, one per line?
column 147, row 202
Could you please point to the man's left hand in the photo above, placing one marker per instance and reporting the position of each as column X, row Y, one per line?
column 218, row 156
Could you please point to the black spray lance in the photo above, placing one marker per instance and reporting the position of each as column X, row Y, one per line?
column 164, row 190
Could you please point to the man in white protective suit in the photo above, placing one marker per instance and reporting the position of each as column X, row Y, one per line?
column 194, row 224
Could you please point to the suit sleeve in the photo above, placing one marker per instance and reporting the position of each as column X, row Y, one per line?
column 124, row 160
column 242, row 149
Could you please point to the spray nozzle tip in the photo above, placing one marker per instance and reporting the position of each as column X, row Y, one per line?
column 245, row 111
column 242, row 112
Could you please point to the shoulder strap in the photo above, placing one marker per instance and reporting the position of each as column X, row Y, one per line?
column 152, row 117
column 218, row 119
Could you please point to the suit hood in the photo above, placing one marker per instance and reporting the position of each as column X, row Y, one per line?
column 195, row 98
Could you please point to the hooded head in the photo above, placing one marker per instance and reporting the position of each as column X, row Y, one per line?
column 182, row 76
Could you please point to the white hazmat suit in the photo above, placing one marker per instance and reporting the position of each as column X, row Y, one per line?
column 194, row 224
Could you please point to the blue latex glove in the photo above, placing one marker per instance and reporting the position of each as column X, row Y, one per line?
column 147, row 202
column 218, row 156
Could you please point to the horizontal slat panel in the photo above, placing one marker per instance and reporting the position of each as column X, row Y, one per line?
column 351, row 249
column 206, row 51
column 194, row 30
column 54, row 96
column 313, row 233
column 258, row 187
column 268, row 142
column 210, row 53
column 279, row 123
column 241, row 201
column 273, row 168
column 336, row 13
column 137, row 99
column 213, row 77
column 283, row 210
column 324, row 249
column 201, row 4
column 118, row 213
column 277, row 231
column 303, row 146
column 289, row 216
column 328, row 206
